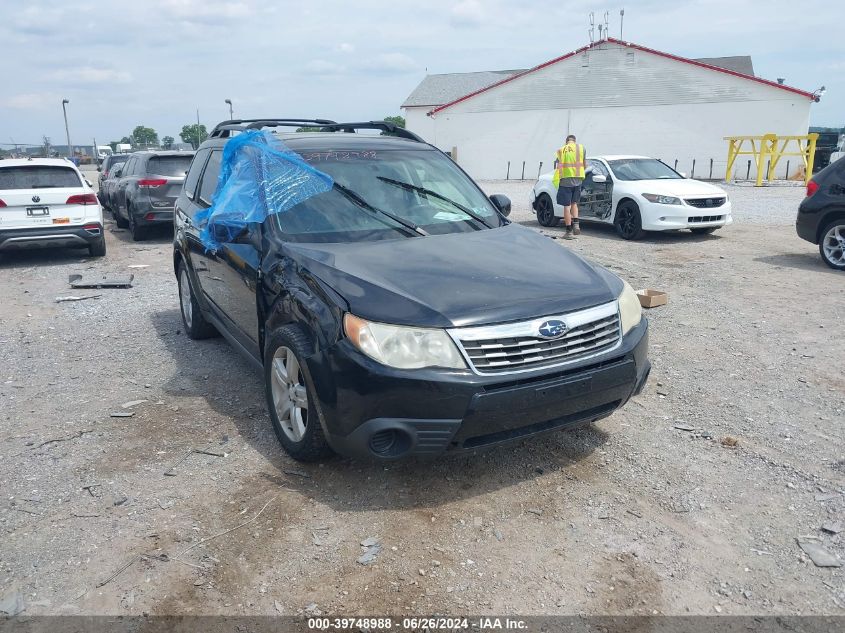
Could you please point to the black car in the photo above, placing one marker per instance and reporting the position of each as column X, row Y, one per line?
column 400, row 313
column 821, row 216
column 105, row 168
column 147, row 187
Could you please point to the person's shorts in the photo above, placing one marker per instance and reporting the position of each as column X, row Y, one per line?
column 567, row 195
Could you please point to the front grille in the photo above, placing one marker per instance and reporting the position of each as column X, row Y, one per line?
column 704, row 218
column 599, row 332
column 706, row 203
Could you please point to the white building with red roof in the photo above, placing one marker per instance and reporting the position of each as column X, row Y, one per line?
column 617, row 97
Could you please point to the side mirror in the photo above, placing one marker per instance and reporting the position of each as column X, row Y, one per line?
column 599, row 178
column 99, row 168
column 118, row 173
column 224, row 234
column 502, row 203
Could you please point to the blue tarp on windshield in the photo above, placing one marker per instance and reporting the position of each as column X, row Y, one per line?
column 259, row 175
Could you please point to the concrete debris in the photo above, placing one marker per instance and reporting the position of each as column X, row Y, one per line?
column 817, row 553
column 369, row 557
column 132, row 403
column 74, row 298
column 12, row 602
column 121, row 414
column 832, row 527
column 369, row 542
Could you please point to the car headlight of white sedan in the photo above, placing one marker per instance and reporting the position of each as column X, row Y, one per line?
column 630, row 310
column 659, row 199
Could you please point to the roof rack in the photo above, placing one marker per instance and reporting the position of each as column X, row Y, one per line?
column 225, row 128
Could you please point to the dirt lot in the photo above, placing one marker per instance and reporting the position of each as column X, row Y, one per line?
column 650, row 511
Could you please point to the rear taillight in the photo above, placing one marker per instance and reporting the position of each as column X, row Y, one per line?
column 82, row 198
column 2, row 204
column 151, row 183
column 812, row 187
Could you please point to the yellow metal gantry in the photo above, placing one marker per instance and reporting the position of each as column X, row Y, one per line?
column 769, row 149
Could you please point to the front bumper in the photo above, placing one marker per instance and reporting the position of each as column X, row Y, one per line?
column 674, row 217
column 370, row 410
column 58, row 236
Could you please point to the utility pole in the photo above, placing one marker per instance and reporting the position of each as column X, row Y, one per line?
column 67, row 130
column 96, row 153
column 621, row 21
column 231, row 113
column 198, row 129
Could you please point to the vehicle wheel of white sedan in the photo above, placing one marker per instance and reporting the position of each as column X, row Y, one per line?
column 628, row 222
column 546, row 211
column 832, row 245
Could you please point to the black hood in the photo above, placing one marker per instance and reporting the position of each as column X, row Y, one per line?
column 509, row 273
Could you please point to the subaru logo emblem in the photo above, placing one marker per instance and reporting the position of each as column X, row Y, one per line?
column 36, row 198
column 709, row 202
column 553, row 328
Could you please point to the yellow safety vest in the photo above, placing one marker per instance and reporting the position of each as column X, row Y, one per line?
column 570, row 162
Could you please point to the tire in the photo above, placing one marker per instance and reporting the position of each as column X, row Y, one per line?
column 705, row 231
column 138, row 232
column 118, row 219
column 98, row 248
column 832, row 244
column 289, row 392
column 196, row 327
column 546, row 211
column 628, row 222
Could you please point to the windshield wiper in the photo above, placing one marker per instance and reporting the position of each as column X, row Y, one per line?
column 434, row 194
column 357, row 199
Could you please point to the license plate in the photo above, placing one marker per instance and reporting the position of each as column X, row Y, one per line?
column 61, row 220
column 35, row 211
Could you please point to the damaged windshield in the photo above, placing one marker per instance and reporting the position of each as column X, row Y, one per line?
column 387, row 194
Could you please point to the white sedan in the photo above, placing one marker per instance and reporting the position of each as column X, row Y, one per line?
column 638, row 194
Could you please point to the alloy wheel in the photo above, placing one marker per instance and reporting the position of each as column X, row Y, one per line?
column 290, row 396
column 833, row 245
column 185, row 297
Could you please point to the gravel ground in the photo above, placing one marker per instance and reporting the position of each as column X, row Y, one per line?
column 688, row 501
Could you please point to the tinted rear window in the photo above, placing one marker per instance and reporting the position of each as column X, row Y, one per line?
column 116, row 160
column 38, row 177
column 169, row 165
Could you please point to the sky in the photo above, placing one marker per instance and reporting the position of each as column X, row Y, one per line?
column 124, row 63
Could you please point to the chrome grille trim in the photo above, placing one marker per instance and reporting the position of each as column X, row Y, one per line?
column 516, row 347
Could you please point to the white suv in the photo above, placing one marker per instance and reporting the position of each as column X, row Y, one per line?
column 47, row 202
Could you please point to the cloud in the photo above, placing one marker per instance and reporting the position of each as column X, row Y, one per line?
column 205, row 11
column 467, row 13
column 322, row 67
column 89, row 75
column 391, row 63
column 32, row 101
column 345, row 47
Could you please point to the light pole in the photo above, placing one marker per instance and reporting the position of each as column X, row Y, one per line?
column 67, row 130
column 231, row 114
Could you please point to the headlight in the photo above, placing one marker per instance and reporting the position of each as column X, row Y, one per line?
column 653, row 197
column 403, row 347
column 630, row 310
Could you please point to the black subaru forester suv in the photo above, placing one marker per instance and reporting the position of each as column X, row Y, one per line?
column 400, row 313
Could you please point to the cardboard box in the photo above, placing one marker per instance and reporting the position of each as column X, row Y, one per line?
column 650, row 298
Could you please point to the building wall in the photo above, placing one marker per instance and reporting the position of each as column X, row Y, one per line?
column 617, row 101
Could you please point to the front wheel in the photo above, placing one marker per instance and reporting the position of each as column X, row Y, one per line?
column 704, row 231
column 628, row 222
column 546, row 211
column 832, row 245
column 290, row 398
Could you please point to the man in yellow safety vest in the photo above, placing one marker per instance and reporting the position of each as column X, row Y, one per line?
column 570, row 169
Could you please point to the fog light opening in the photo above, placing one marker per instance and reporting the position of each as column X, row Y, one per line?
column 390, row 443
column 150, row 216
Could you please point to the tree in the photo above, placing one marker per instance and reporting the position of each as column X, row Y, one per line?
column 167, row 142
column 144, row 136
column 194, row 134
column 397, row 120
column 125, row 141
